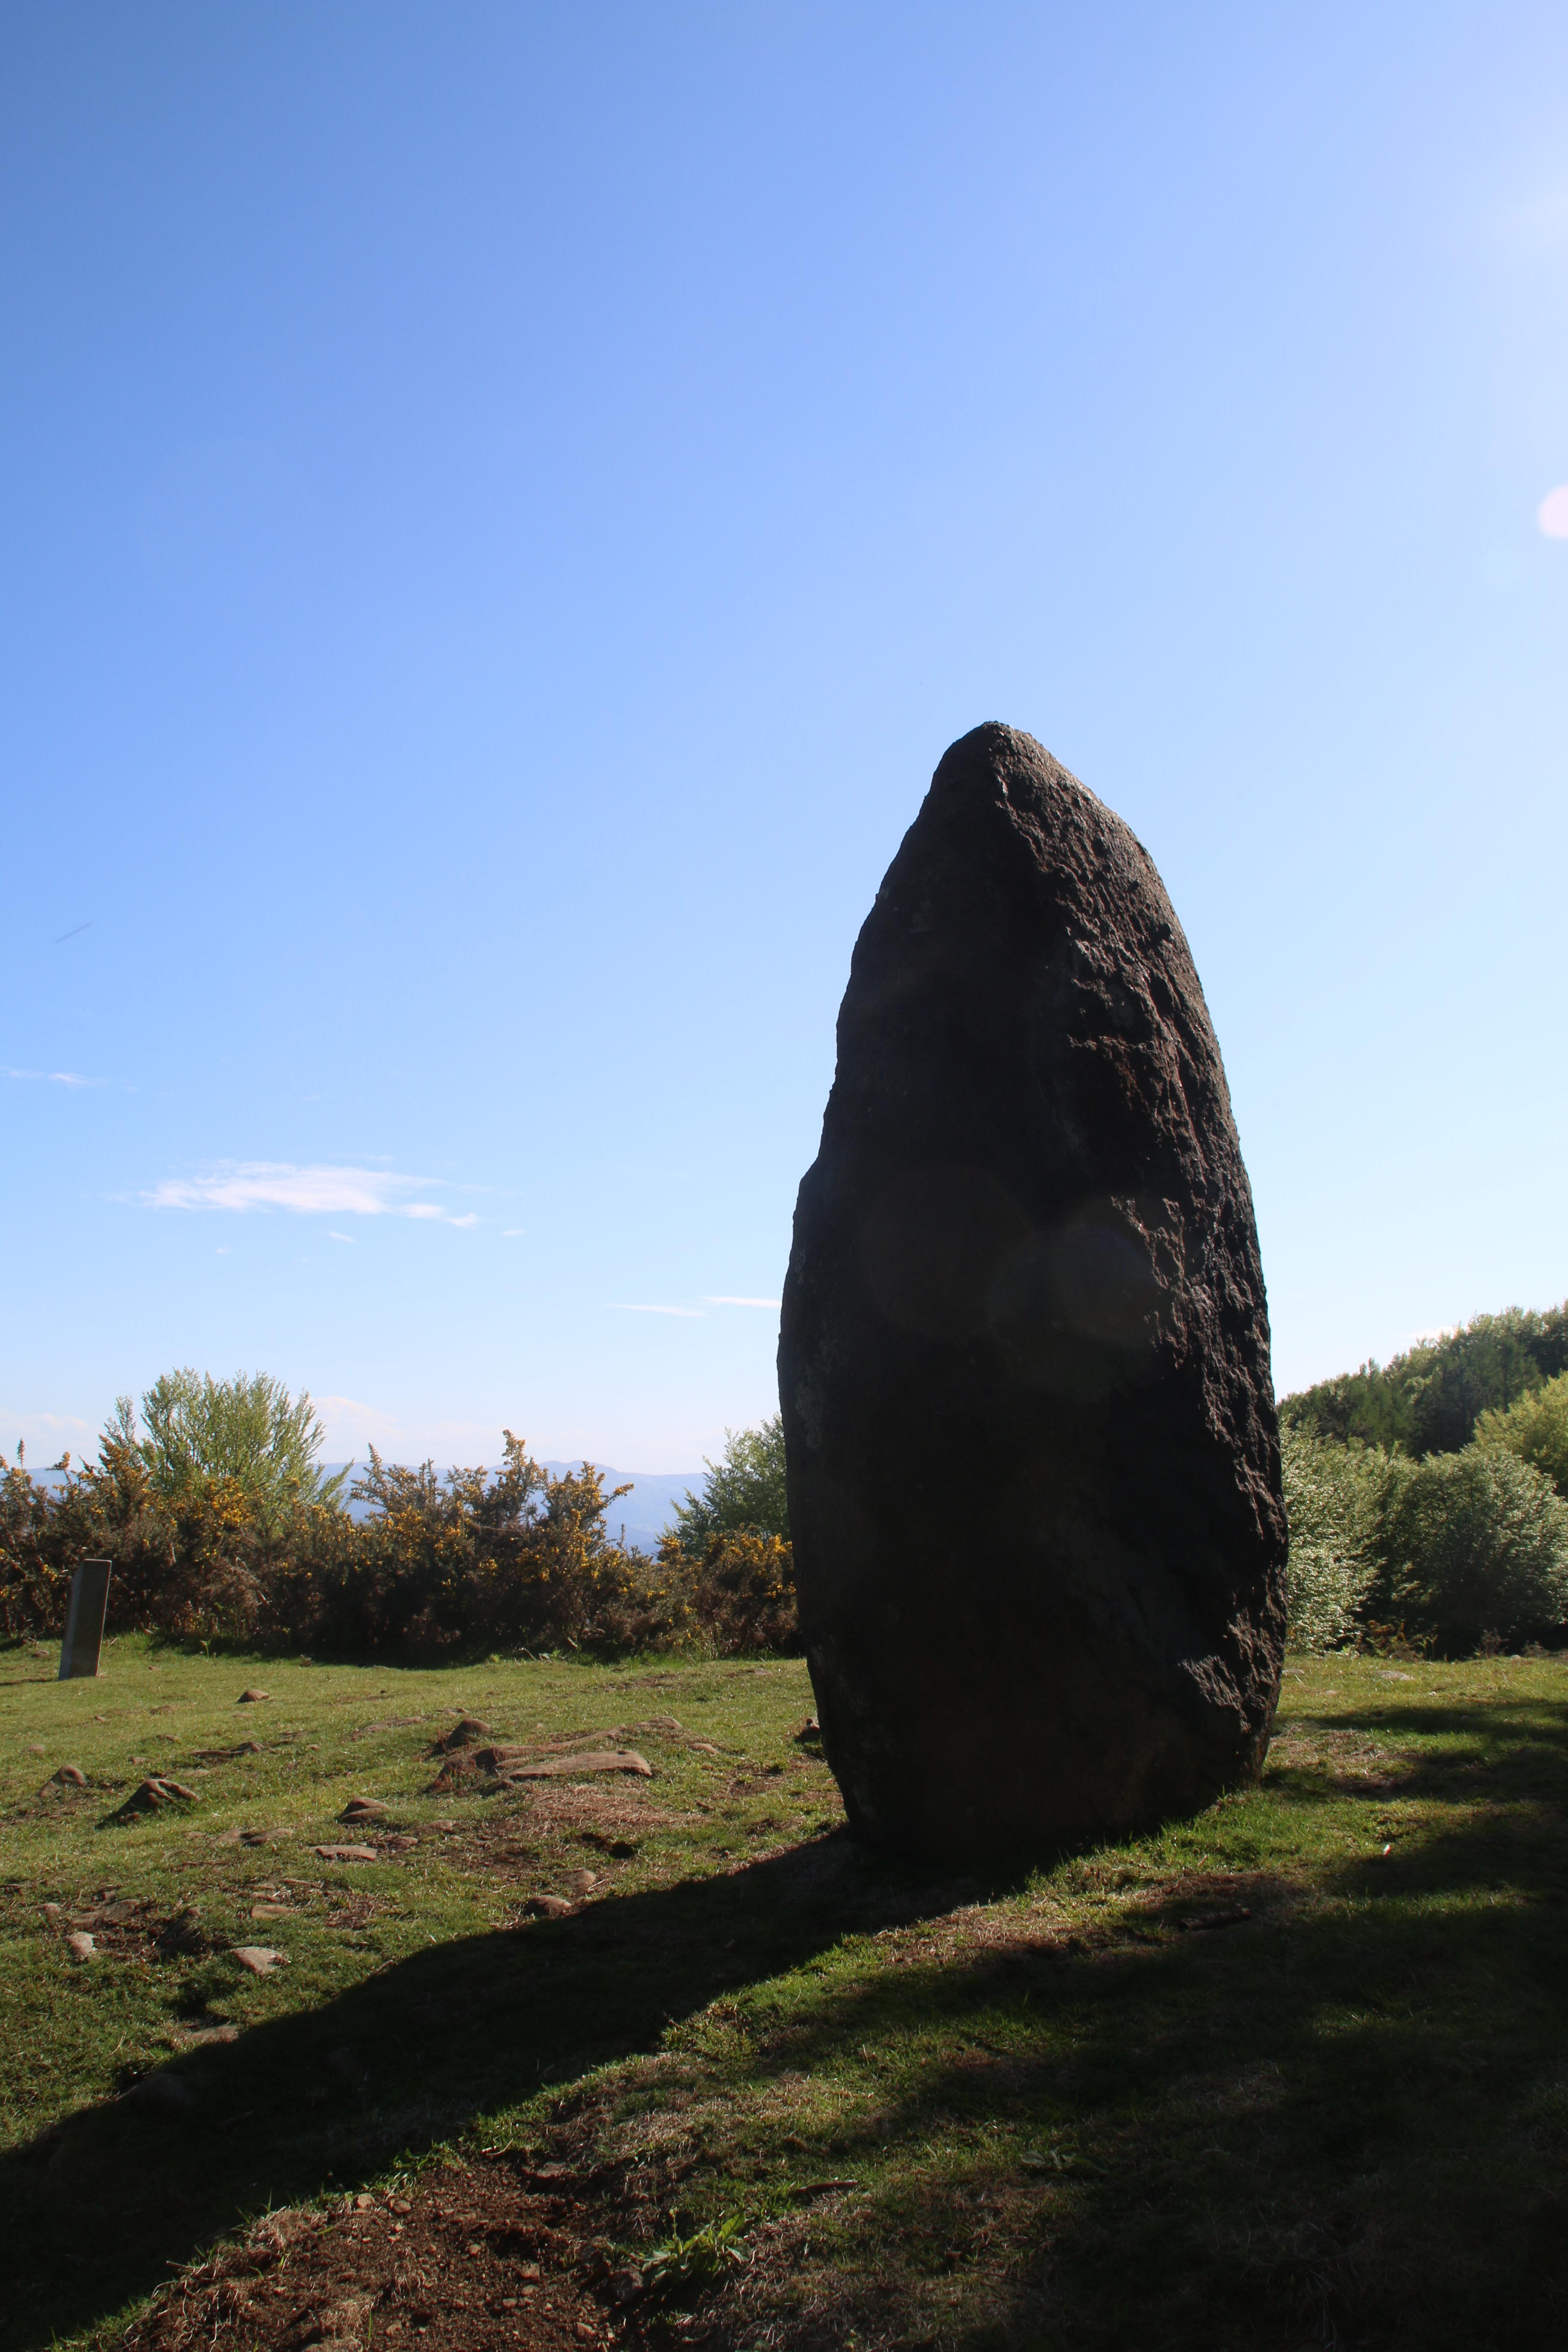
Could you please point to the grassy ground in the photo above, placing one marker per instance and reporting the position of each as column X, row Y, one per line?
column 1294, row 2073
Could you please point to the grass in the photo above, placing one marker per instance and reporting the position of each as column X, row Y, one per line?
column 1293, row 2073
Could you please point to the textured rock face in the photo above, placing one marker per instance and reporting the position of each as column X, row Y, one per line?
column 1033, row 1461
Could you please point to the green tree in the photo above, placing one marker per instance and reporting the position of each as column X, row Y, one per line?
column 1536, row 1429
column 745, row 1489
column 248, row 1431
column 1475, row 1543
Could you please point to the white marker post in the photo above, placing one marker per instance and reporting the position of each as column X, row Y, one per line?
column 84, row 1626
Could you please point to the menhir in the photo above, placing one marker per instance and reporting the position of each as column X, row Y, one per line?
column 1032, row 1459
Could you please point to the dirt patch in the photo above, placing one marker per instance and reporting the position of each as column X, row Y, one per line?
column 474, row 2258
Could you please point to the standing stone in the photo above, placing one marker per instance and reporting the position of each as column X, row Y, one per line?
column 1033, row 1460
column 83, row 1643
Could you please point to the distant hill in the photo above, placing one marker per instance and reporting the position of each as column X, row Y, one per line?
column 648, row 1510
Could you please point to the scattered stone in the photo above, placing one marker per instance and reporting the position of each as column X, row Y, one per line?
column 181, row 1936
column 1027, row 1243
column 362, row 1808
column 54, row 1911
column 609, row 1759
column 582, row 1882
column 810, row 1729
column 153, row 1793
column 71, row 1775
column 467, row 1732
column 108, row 1914
column 251, row 1697
column 454, row 1771
column 260, row 1959
column 273, row 1910
column 37, row 1748
column 1392, row 1675
column 197, row 2037
column 659, row 1723
column 550, row 1907
column 81, row 1945
column 221, row 1755
column 346, row 1853
column 702, row 1748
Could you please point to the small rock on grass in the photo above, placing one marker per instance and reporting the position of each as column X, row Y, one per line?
column 467, row 1732
column 71, row 1775
column 82, row 1947
column 260, row 1959
column 559, row 1767
column 362, row 1808
column 250, row 1698
column 151, row 1795
column 550, row 1907
column 346, row 1853
column 582, row 1882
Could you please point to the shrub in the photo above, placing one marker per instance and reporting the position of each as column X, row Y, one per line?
column 1536, row 1429
column 745, row 1490
column 471, row 1561
column 1333, row 1499
column 740, row 1592
column 30, row 1578
column 247, row 1433
column 1475, row 1544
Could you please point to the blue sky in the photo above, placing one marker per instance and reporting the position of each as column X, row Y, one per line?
column 503, row 510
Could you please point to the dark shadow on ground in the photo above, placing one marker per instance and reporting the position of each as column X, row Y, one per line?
column 1342, row 2126
column 101, row 2208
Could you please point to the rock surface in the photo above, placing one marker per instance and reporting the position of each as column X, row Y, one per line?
column 1033, row 1461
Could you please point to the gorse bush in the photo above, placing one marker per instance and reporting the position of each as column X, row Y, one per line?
column 219, row 1525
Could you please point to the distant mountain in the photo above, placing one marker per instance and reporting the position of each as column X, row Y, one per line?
column 648, row 1510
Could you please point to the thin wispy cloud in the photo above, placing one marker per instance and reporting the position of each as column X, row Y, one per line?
column 56, row 1077
column 745, row 1302
column 1551, row 515
column 343, row 1237
column 242, row 1185
column 623, row 1306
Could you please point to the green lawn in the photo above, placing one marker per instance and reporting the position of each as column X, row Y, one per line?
column 1098, row 2107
